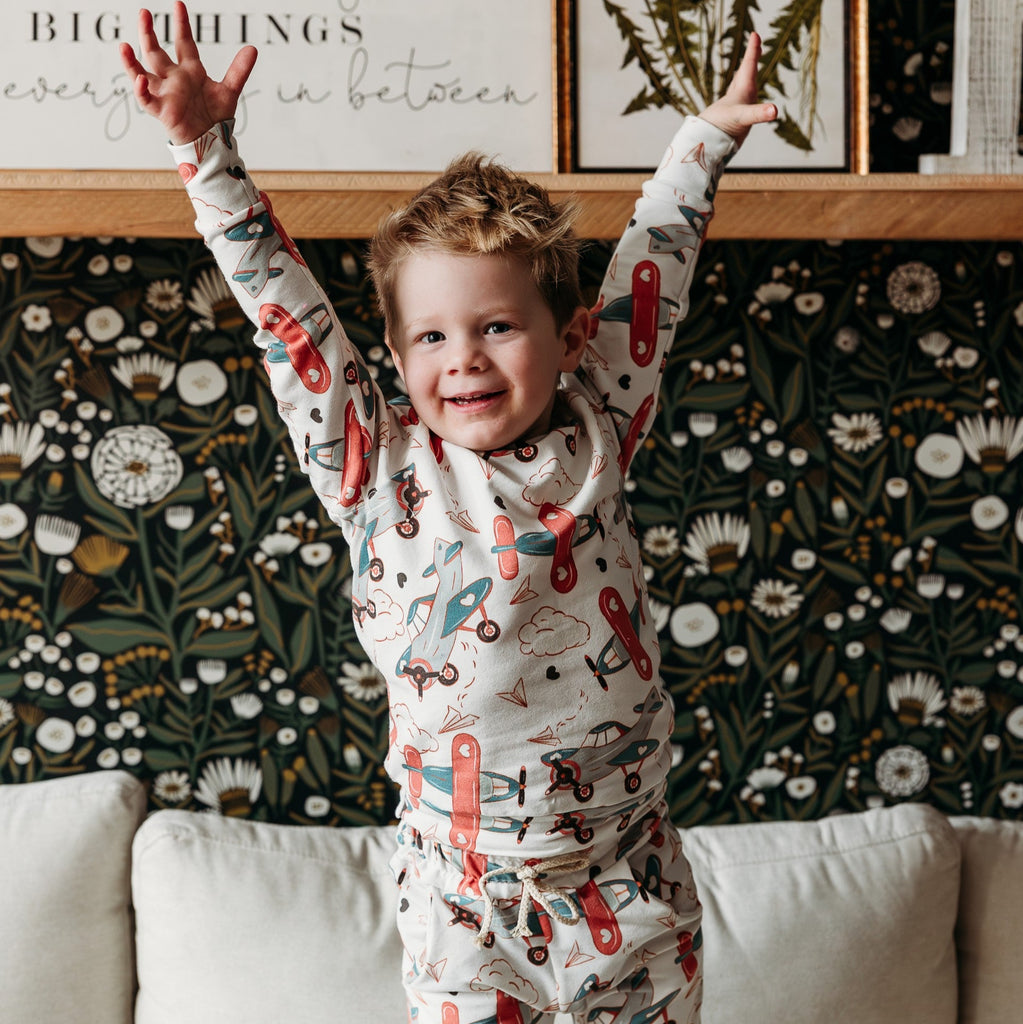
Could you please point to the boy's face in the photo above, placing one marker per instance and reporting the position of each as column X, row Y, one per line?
column 478, row 348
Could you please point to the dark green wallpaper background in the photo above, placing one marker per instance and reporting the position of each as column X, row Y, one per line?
column 829, row 507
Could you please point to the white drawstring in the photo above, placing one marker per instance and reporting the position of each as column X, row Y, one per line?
column 534, row 888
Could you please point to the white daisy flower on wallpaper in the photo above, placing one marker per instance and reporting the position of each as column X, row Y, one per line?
column 934, row 343
column 1011, row 795
column 703, row 424
column 896, row 620
column 317, row 806
column 46, row 246
column 179, row 517
column 211, row 671
column 363, row 682
column 775, row 598
column 825, row 722
column 1014, row 722
column 661, row 541
column 245, row 415
column 694, row 624
column 173, row 787
column 902, row 771
column 965, row 357
column 36, row 318
column 57, row 735
column 847, row 339
column 913, row 287
column 855, row 433
column 144, row 374
column 931, row 585
column 737, row 459
column 21, row 444
column 767, row 777
column 136, row 465
column 773, row 291
column 164, row 296
column 212, row 301
column 989, row 512
column 991, row 443
column 55, row 535
column 316, row 553
column 201, row 381
column 352, row 757
column 967, row 701
column 230, row 787
column 12, row 521
column 274, row 545
column 736, row 655
column 808, row 303
column 801, row 787
column 103, row 323
column 939, row 456
column 128, row 344
column 716, row 543
column 916, row 698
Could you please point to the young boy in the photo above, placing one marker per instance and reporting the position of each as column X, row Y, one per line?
column 497, row 577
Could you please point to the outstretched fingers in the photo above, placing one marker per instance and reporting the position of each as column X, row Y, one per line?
column 156, row 58
column 184, row 42
column 239, row 70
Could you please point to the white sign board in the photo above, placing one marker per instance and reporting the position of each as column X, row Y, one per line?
column 340, row 85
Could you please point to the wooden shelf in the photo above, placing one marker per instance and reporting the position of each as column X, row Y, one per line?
column 320, row 205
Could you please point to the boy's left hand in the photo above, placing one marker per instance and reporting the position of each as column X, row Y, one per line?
column 738, row 110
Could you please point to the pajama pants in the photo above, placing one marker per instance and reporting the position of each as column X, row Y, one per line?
column 609, row 939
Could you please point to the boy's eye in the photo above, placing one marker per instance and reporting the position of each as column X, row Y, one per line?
column 498, row 328
column 431, row 336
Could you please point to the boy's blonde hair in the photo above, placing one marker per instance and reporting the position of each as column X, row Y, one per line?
column 478, row 207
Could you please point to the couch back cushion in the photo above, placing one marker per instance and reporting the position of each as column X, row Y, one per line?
column 989, row 932
column 847, row 918
column 258, row 924
column 65, row 920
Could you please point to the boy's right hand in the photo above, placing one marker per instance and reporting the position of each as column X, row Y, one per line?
column 182, row 96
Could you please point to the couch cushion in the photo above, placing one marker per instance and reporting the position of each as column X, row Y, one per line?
column 251, row 923
column 847, row 918
column 65, row 920
column 989, row 932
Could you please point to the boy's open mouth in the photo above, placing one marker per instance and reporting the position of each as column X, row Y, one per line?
column 467, row 400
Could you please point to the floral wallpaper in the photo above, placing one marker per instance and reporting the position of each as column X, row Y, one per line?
column 829, row 507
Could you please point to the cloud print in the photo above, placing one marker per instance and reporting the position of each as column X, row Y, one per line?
column 407, row 733
column 551, row 632
column 389, row 621
column 550, row 483
column 501, row 975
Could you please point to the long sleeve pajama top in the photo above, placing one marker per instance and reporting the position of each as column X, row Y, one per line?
column 501, row 594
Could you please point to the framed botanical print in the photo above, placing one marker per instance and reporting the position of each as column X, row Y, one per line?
column 640, row 66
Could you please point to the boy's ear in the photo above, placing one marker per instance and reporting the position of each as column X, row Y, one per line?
column 394, row 354
column 575, row 336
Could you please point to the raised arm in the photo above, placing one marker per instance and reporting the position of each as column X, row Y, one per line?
column 335, row 414
column 644, row 295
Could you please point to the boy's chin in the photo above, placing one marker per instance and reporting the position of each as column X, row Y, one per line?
column 482, row 442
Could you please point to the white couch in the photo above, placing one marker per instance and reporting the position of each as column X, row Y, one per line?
column 109, row 916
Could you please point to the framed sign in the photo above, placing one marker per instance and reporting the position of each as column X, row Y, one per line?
column 640, row 67
column 340, row 85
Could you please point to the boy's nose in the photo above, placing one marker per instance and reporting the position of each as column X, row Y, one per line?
column 465, row 355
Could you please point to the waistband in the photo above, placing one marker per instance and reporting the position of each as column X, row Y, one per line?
column 610, row 844
column 554, row 884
